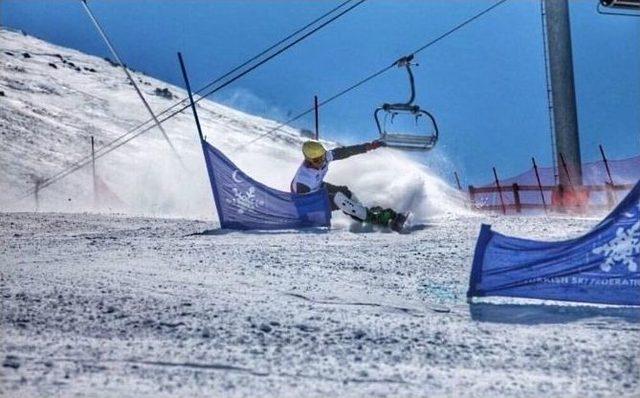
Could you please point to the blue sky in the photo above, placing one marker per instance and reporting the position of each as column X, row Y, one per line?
column 485, row 83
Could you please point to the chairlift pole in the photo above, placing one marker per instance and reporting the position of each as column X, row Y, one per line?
column 126, row 71
column 565, row 116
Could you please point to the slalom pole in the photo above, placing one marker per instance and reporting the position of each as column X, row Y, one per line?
column 193, row 104
column 566, row 169
column 495, row 174
column 472, row 195
column 535, row 168
column 203, row 143
column 516, row 197
column 133, row 82
column 455, row 173
column 606, row 164
column 611, row 193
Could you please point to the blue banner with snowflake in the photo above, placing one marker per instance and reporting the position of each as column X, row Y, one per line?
column 599, row 267
column 243, row 203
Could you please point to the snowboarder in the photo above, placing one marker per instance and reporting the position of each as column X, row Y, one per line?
column 310, row 177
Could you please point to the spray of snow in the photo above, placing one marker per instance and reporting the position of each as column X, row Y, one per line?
column 49, row 112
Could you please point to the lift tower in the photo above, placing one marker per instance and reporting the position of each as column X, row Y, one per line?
column 565, row 119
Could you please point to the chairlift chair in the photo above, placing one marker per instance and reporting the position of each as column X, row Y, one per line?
column 422, row 138
column 620, row 3
column 630, row 8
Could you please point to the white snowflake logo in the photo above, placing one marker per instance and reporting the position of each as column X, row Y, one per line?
column 245, row 200
column 623, row 248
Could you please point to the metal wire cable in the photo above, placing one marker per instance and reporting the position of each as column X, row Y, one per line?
column 300, row 115
column 120, row 141
column 123, row 136
column 374, row 75
column 321, row 103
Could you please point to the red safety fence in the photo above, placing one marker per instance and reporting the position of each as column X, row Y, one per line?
column 603, row 184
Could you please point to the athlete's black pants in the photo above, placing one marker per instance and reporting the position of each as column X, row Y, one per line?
column 333, row 190
column 376, row 215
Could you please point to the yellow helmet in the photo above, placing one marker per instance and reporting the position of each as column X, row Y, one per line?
column 313, row 150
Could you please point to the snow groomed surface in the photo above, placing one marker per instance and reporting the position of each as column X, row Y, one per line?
column 599, row 267
column 120, row 306
column 244, row 203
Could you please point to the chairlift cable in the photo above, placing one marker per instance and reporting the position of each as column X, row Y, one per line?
column 320, row 104
column 461, row 25
column 300, row 115
column 83, row 161
column 376, row 74
column 113, row 51
column 111, row 146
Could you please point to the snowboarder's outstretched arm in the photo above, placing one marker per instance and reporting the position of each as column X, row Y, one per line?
column 347, row 151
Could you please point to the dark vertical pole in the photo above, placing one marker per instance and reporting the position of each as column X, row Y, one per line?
column 563, row 88
column 566, row 170
column 535, row 168
column 572, row 193
column 516, row 196
column 202, row 141
column 93, row 167
column 36, row 193
column 315, row 107
column 193, row 105
column 611, row 194
column 495, row 174
column 606, row 164
column 455, row 173
column 472, row 195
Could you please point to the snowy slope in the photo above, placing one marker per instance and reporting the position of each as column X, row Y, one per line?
column 56, row 98
column 108, row 306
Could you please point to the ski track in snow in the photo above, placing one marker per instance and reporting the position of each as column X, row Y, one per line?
column 107, row 305
column 121, row 305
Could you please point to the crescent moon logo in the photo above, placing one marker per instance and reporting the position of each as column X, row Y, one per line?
column 235, row 176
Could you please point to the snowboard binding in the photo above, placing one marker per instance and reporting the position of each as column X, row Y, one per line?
column 375, row 215
column 387, row 218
